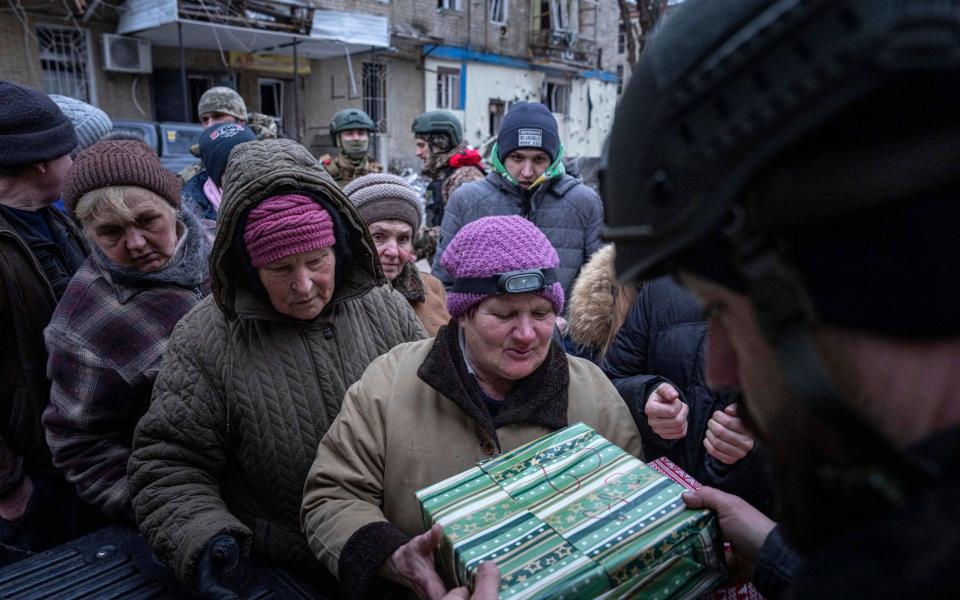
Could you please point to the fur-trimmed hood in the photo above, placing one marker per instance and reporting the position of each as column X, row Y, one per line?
column 598, row 303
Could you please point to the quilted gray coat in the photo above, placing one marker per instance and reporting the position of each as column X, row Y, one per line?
column 566, row 210
column 244, row 394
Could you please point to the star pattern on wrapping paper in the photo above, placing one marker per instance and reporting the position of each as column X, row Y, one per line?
column 470, row 528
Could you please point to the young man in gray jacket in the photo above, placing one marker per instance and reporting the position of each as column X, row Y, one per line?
column 529, row 180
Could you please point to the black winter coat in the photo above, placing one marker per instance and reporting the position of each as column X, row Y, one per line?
column 663, row 340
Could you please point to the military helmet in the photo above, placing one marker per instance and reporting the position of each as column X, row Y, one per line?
column 439, row 121
column 725, row 89
column 350, row 118
column 224, row 100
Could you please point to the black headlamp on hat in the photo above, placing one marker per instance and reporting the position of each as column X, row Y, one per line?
column 513, row 282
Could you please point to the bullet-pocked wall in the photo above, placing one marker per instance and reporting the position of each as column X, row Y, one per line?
column 491, row 89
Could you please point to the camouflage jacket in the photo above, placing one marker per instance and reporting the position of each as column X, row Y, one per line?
column 447, row 178
column 263, row 126
column 343, row 171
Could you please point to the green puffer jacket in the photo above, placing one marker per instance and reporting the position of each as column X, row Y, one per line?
column 244, row 393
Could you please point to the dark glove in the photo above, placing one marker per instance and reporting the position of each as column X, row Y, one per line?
column 219, row 569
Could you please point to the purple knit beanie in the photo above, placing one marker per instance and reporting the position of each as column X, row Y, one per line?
column 284, row 225
column 494, row 245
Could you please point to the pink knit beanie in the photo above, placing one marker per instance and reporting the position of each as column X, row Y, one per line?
column 494, row 245
column 284, row 225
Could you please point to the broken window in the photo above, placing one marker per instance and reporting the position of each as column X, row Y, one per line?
column 498, row 11
column 448, row 4
column 375, row 93
column 271, row 98
column 498, row 108
column 63, row 58
column 556, row 95
column 448, row 88
column 555, row 15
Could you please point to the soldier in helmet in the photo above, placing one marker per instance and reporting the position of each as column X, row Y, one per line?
column 221, row 105
column 224, row 105
column 350, row 132
column 448, row 161
column 793, row 164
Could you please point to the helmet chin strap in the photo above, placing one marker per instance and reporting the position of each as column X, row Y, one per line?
column 856, row 467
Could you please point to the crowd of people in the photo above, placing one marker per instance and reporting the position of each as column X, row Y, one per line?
column 270, row 353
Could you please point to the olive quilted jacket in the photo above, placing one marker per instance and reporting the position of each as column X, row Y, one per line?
column 244, row 394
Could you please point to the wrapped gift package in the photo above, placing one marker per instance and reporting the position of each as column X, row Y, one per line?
column 571, row 515
column 743, row 591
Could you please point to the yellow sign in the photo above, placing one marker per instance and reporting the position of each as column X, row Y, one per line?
column 171, row 135
column 270, row 63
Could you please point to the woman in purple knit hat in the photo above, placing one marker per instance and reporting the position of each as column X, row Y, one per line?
column 491, row 380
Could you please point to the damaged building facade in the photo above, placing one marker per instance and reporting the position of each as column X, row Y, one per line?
column 301, row 61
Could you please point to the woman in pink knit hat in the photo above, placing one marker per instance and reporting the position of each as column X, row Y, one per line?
column 253, row 377
column 491, row 380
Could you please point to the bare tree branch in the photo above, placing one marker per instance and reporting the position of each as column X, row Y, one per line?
column 638, row 20
column 626, row 21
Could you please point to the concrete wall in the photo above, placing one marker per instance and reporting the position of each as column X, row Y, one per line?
column 583, row 130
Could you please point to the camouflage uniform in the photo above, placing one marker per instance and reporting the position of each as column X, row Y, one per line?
column 446, row 179
column 188, row 172
column 222, row 100
column 343, row 171
column 262, row 125
column 229, row 102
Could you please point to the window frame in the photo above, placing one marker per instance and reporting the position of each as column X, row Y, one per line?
column 556, row 92
column 448, row 88
column 86, row 55
column 504, row 6
column 277, row 84
column 375, row 103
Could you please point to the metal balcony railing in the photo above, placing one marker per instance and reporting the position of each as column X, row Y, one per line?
column 563, row 46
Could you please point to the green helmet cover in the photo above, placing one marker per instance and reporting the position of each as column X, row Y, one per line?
column 350, row 118
column 439, row 121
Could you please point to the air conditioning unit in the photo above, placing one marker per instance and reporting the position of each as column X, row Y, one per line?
column 126, row 54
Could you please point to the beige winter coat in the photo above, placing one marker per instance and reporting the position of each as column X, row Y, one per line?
column 397, row 433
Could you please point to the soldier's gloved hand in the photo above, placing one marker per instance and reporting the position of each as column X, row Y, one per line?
column 219, row 569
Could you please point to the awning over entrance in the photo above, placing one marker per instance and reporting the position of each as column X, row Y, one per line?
column 333, row 33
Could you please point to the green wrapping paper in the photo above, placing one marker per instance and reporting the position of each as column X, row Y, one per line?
column 571, row 515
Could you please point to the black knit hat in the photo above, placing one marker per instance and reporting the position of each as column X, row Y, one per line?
column 33, row 129
column 528, row 125
column 216, row 142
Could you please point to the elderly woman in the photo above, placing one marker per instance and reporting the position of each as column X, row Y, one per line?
column 391, row 209
column 490, row 381
column 255, row 375
column 148, row 268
